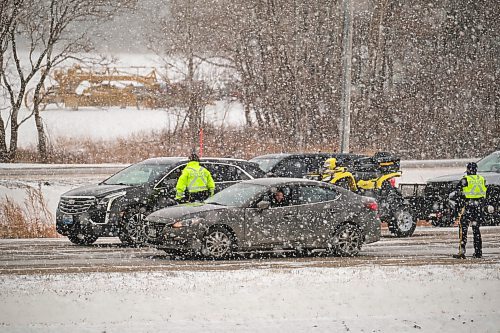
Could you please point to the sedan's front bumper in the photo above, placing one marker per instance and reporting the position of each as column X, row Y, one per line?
column 165, row 237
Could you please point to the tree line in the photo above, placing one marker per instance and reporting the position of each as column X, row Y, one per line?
column 424, row 74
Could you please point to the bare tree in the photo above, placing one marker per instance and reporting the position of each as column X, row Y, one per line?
column 182, row 39
column 53, row 34
column 9, row 12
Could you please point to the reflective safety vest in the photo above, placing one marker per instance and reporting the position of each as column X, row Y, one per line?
column 475, row 188
column 194, row 178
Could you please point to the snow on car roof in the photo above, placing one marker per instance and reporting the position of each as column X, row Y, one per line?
column 176, row 159
column 280, row 181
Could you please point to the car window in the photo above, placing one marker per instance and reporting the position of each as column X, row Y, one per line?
column 172, row 177
column 136, row 174
column 266, row 164
column 293, row 167
column 253, row 170
column 489, row 163
column 315, row 163
column 239, row 195
column 313, row 194
column 225, row 172
column 273, row 196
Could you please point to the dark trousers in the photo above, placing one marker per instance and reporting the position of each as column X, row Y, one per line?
column 472, row 215
column 198, row 196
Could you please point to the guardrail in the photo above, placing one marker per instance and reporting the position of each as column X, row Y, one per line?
column 21, row 169
column 13, row 169
column 437, row 163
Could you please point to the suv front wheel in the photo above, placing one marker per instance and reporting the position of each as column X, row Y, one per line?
column 132, row 231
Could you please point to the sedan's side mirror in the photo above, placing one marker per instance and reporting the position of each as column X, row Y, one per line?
column 263, row 205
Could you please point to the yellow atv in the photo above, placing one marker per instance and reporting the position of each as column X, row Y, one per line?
column 375, row 178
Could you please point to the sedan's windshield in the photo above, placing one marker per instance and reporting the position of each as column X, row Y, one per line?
column 266, row 164
column 137, row 174
column 239, row 195
column 489, row 163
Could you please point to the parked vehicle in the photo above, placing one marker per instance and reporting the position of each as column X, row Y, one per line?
column 314, row 215
column 298, row 165
column 438, row 192
column 117, row 206
column 414, row 196
column 375, row 177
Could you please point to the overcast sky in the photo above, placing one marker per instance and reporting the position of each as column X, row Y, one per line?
column 126, row 33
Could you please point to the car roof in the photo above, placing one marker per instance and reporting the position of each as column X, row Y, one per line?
column 321, row 154
column 178, row 159
column 277, row 181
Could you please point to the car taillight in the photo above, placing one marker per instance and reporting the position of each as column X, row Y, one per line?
column 370, row 204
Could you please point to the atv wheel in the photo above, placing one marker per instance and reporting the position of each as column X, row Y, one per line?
column 403, row 222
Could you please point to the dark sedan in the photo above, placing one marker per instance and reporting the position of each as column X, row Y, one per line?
column 243, row 217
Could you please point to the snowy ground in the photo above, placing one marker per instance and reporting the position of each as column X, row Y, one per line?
column 361, row 299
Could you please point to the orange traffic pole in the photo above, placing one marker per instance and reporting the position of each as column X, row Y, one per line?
column 201, row 142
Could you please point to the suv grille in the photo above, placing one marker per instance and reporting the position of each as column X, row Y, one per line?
column 76, row 205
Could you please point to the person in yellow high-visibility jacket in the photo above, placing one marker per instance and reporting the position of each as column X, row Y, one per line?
column 473, row 188
column 196, row 181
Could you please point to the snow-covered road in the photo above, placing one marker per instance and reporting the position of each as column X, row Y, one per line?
column 427, row 246
column 387, row 289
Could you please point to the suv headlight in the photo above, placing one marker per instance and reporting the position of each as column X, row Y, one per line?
column 187, row 222
column 107, row 201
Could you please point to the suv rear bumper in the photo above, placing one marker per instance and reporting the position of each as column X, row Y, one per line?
column 67, row 224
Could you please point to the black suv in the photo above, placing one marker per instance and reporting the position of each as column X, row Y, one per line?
column 117, row 206
column 438, row 190
column 300, row 164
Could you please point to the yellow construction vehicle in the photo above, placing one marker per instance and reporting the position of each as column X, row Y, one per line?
column 79, row 87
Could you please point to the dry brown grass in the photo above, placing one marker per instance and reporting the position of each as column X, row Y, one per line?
column 31, row 220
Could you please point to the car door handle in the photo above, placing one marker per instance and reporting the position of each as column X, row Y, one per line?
column 331, row 210
column 288, row 216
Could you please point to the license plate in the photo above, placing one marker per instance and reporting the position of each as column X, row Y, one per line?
column 67, row 219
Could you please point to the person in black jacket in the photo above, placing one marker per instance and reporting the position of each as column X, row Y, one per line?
column 278, row 199
column 472, row 188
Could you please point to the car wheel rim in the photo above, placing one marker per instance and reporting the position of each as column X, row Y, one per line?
column 217, row 244
column 404, row 221
column 135, row 229
column 348, row 241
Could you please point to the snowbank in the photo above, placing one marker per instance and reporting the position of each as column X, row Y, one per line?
column 363, row 299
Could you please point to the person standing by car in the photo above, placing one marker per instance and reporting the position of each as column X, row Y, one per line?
column 196, row 180
column 473, row 190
